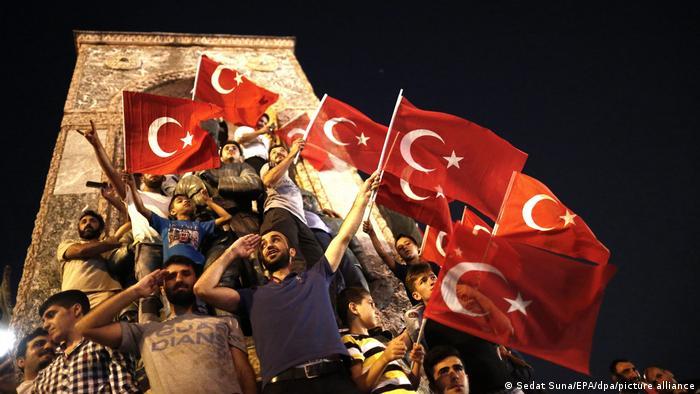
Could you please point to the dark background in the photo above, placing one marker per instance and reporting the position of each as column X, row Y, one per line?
column 604, row 98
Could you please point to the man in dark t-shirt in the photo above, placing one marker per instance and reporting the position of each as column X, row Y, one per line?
column 294, row 327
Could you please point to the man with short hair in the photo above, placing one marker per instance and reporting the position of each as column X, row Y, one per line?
column 80, row 366
column 83, row 266
column 34, row 352
column 255, row 142
column 445, row 371
column 663, row 380
column 407, row 254
column 284, row 206
column 624, row 372
column 305, row 357
column 187, row 353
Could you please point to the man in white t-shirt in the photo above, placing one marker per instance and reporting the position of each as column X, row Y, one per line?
column 255, row 143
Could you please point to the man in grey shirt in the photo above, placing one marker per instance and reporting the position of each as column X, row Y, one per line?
column 284, row 207
column 187, row 353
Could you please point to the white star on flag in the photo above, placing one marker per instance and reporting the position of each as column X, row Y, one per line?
column 187, row 140
column 568, row 218
column 439, row 191
column 453, row 160
column 458, row 252
column 239, row 78
column 518, row 304
column 361, row 139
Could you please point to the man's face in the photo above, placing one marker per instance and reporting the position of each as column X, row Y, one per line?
column 277, row 155
column 178, row 284
column 656, row 376
column 153, row 181
column 89, row 227
column 627, row 372
column 407, row 249
column 40, row 353
column 275, row 250
column 230, row 154
column 262, row 121
column 423, row 286
column 367, row 312
column 182, row 206
column 59, row 321
column 450, row 377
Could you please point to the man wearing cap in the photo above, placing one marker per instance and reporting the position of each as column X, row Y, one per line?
column 80, row 366
column 83, row 266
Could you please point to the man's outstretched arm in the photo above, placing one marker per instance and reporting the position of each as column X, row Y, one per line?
column 99, row 326
column 207, row 287
column 336, row 249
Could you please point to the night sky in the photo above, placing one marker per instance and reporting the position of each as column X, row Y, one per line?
column 604, row 99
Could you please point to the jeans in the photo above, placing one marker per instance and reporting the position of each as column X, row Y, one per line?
column 149, row 257
column 336, row 383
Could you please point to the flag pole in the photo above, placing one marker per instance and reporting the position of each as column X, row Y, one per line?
column 196, row 76
column 498, row 219
column 421, row 331
column 424, row 240
column 311, row 122
column 380, row 167
column 126, row 162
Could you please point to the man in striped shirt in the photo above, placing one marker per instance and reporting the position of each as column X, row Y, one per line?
column 375, row 366
column 81, row 366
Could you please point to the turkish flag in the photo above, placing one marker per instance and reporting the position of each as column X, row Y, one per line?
column 519, row 296
column 295, row 129
column 435, row 242
column 472, row 221
column 162, row 135
column 243, row 101
column 533, row 215
column 348, row 134
column 425, row 206
column 470, row 162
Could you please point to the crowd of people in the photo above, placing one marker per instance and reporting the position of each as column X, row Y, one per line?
column 206, row 261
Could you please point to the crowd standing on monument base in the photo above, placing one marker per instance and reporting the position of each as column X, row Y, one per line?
column 209, row 258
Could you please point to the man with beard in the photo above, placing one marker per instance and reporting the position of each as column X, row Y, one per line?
column 622, row 371
column 83, row 266
column 187, row 353
column 147, row 241
column 408, row 253
column 284, row 206
column 294, row 327
column 81, row 366
column 34, row 353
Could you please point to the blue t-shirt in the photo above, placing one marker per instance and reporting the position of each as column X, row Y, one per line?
column 182, row 237
column 293, row 321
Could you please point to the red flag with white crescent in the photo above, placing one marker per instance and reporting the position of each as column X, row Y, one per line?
column 348, row 134
column 533, row 215
column 435, row 242
column 296, row 128
column 471, row 162
column 162, row 135
column 243, row 101
column 519, row 296
column 425, row 206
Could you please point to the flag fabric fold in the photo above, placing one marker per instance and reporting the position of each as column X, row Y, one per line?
column 162, row 135
column 519, row 296
column 243, row 101
column 533, row 215
column 470, row 162
column 295, row 129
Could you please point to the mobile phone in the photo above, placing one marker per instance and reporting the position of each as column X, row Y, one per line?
column 97, row 185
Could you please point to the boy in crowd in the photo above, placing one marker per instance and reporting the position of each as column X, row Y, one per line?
column 375, row 366
column 80, row 366
column 407, row 251
column 182, row 235
column 420, row 280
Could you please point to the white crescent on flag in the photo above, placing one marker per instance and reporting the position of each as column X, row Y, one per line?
column 153, row 136
column 409, row 139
